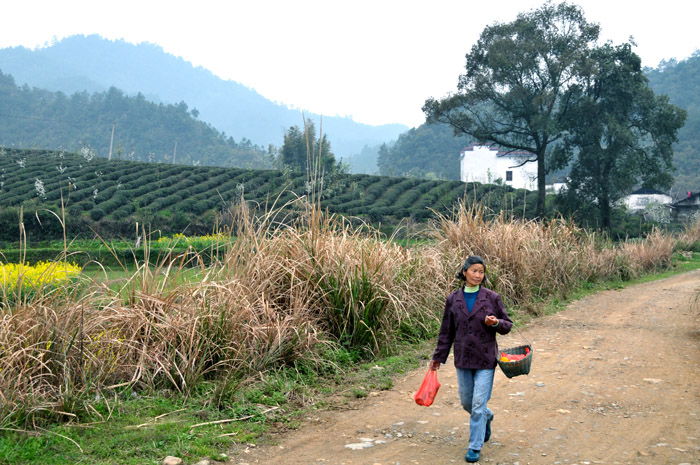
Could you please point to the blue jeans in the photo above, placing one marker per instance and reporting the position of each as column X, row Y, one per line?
column 474, row 393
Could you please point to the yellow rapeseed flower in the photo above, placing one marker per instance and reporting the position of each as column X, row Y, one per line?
column 36, row 276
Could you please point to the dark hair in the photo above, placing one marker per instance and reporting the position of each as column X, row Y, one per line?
column 472, row 260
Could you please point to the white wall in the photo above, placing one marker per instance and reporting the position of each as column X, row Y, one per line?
column 640, row 201
column 485, row 164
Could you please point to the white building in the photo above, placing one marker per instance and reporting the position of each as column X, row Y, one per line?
column 641, row 198
column 487, row 164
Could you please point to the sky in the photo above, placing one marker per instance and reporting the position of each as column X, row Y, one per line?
column 375, row 61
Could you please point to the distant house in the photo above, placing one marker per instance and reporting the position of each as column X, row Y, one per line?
column 687, row 209
column 490, row 165
column 641, row 198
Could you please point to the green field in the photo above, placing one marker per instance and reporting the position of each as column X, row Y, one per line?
column 118, row 198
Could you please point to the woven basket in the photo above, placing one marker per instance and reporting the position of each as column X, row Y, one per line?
column 521, row 367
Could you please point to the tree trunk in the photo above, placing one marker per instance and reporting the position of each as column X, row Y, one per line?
column 541, row 186
column 605, row 219
column 605, row 216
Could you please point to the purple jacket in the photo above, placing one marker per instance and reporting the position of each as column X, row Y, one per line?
column 475, row 344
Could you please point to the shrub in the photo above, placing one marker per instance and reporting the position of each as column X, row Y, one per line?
column 408, row 197
column 386, row 198
column 9, row 224
column 148, row 198
column 85, row 206
column 124, row 211
column 109, row 206
column 75, row 210
column 97, row 214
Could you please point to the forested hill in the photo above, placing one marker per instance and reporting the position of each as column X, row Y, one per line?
column 679, row 80
column 94, row 64
column 144, row 131
column 428, row 151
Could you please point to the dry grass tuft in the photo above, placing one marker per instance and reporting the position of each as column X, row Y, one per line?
column 530, row 261
column 690, row 238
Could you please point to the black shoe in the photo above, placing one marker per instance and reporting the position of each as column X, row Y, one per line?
column 487, row 436
column 472, row 456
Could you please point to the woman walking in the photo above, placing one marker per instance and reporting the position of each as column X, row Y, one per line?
column 473, row 315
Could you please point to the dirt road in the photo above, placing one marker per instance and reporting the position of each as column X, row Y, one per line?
column 615, row 379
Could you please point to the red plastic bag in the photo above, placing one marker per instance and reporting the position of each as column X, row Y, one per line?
column 428, row 389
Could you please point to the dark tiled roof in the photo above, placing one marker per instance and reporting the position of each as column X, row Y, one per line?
column 691, row 201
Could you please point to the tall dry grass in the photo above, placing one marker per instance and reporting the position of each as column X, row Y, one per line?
column 285, row 291
column 281, row 292
column 357, row 286
column 689, row 239
column 531, row 261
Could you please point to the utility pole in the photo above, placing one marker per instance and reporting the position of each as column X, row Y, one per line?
column 111, row 141
column 174, row 151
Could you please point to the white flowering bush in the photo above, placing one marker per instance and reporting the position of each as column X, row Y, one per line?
column 40, row 189
column 87, row 153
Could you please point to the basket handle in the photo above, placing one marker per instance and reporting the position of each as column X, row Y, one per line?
column 521, row 335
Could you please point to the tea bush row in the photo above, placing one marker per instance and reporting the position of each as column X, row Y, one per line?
column 109, row 197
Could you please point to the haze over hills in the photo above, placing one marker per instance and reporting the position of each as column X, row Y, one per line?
column 94, row 64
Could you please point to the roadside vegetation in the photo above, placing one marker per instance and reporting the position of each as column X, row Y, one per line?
column 191, row 355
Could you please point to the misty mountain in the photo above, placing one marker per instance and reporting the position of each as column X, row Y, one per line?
column 94, row 64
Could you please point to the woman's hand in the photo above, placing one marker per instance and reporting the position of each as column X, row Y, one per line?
column 491, row 320
column 434, row 365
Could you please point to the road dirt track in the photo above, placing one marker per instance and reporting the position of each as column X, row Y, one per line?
column 615, row 379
